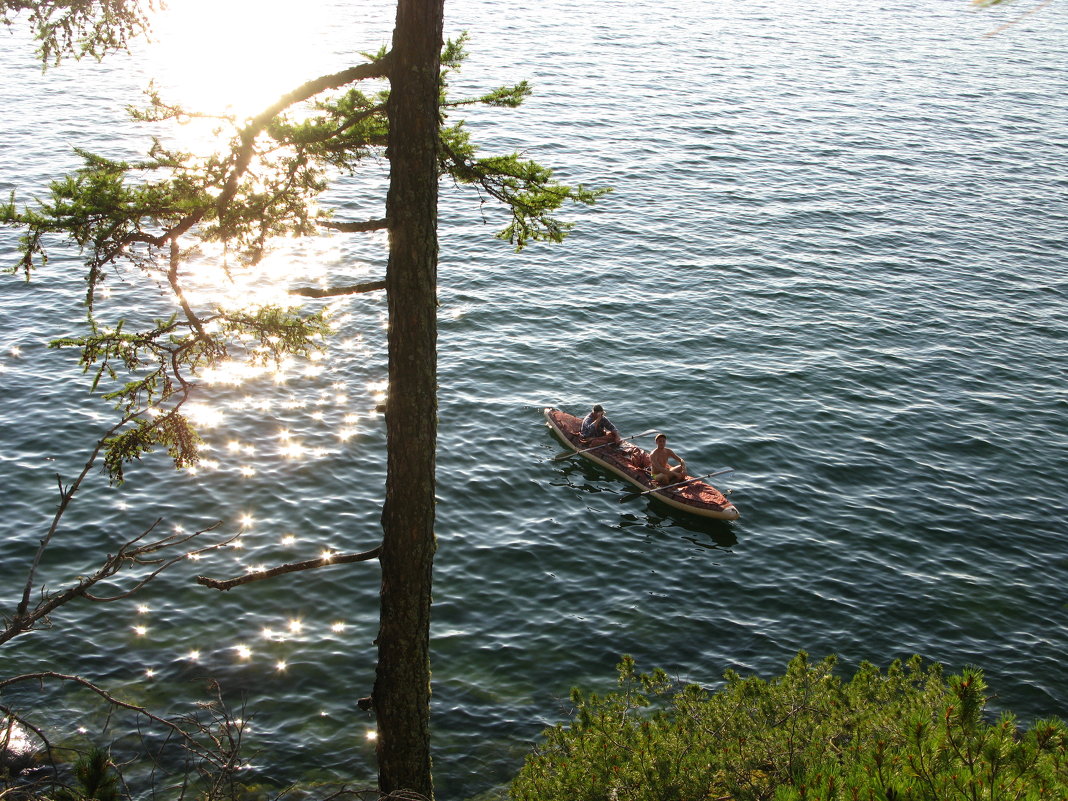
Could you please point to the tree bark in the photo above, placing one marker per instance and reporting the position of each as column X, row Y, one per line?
column 402, row 683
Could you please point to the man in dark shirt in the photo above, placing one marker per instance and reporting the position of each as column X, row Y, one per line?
column 598, row 429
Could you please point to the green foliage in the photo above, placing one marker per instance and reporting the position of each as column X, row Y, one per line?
column 96, row 777
column 524, row 187
column 908, row 734
column 171, row 431
column 260, row 187
column 263, row 185
column 527, row 189
column 79, row 28
column 346, row 130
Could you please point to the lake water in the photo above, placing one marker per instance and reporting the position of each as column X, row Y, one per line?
column 834, row 259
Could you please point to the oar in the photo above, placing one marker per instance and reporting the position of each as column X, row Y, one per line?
column 595, row 447
column 632, row 495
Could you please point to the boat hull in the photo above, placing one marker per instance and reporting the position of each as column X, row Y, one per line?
column 631, row 464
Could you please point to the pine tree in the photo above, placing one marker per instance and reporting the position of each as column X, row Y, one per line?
column 150, row 215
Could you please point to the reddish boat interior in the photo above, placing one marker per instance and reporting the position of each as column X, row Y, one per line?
column 634, row 461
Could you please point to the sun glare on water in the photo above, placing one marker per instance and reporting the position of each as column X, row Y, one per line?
column 235, row 58
column 238, row 55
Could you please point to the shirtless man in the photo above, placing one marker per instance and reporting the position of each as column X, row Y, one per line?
column 664, row 473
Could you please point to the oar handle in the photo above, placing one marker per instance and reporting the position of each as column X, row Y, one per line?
column 689, row 480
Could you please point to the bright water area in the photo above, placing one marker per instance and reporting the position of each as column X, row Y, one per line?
column 834, row 260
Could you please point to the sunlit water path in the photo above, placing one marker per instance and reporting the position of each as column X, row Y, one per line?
column 834, row 259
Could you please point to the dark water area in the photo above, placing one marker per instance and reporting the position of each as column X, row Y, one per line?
column 834, row 259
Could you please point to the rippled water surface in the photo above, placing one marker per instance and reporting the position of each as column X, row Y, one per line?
column 834, row 259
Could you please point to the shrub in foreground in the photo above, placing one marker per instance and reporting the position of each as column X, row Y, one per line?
column 909, row 734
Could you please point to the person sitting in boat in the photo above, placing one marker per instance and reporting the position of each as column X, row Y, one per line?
column 663, row 472
column 597, row 429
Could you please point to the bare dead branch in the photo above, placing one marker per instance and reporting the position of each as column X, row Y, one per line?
column 356, row 227
column 311, row 564
column 13, row 718
column 66, row 495
column 330, row 292
column 129, row 554
column 134, row 557
column 214, row 741
column 43, row 676
column 1017, row 20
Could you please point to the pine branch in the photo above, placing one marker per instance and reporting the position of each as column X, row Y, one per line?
column 258, row 124
column 79, row 29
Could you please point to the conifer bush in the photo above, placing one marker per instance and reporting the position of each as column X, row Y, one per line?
column 909, row 734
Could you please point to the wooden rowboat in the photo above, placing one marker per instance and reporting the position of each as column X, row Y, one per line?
column 632, row 463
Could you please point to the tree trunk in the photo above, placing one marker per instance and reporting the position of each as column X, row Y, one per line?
column 402, row 682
